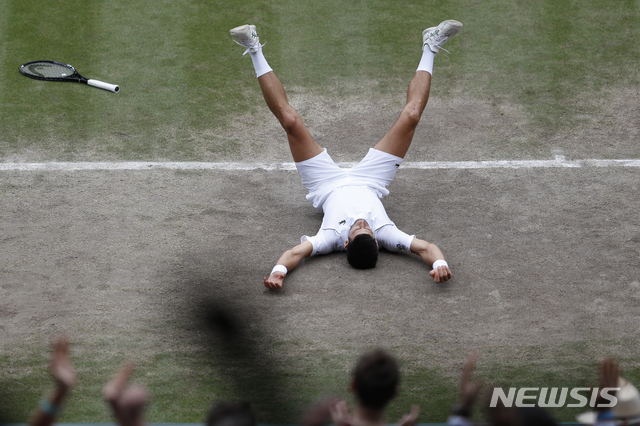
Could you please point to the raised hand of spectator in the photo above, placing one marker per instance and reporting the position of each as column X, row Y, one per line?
column 63, row 373
column 609, row 378
column 127, row 404
column 468, row 388
column 60, row 365
column 609, row 373
column 339, row 413
column 411, row 418
column 321, row 413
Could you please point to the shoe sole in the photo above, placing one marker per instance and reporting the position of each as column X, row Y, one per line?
column 456, row 26
column 242, row 29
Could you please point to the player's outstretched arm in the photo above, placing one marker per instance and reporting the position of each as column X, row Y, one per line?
column 432, row 256
column 288, row 261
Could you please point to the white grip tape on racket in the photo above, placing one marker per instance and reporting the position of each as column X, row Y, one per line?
column 440, row 262
column 102, row 85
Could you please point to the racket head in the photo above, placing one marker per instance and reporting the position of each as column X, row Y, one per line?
column 50, row 71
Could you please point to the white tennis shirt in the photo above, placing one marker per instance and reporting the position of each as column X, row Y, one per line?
column 342, row 208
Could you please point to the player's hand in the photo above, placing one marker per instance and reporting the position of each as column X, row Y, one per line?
column 441, row 274
column 274, row 281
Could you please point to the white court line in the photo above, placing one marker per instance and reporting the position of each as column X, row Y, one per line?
column 233, row 166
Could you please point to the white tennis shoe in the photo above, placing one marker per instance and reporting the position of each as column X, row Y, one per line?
column 247, row 37
column 435, row 37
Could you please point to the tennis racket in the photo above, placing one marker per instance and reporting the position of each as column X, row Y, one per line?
column 59, row 71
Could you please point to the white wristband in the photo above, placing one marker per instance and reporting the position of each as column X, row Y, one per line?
column 280, row 268
column 440, row 262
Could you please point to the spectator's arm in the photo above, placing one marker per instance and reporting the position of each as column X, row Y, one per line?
column 461, row 415
column 64, row 375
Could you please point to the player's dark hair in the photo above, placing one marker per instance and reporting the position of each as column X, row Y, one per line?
column 362, row 252
column 231, row 414
column 376, row 379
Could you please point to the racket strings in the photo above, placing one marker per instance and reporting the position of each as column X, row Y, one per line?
column 49, row 70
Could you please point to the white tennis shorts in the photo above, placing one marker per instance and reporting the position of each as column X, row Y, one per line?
column 321, row 175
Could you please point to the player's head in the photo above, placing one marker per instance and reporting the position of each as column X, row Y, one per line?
column 375, row 379
column 362, row 247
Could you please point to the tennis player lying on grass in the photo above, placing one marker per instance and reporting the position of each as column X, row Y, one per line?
column 354, row 218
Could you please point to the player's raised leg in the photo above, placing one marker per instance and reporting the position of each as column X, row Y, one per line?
column 398, row 139
column 301, row 143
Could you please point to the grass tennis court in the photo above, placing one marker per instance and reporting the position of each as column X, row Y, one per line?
column 128, row 262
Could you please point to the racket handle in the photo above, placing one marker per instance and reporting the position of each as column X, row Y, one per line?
column 102, row 85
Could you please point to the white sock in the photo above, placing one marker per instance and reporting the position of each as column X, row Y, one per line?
column 426, row 63
column 259, row 62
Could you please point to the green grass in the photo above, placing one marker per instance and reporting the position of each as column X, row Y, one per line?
column 182, row 76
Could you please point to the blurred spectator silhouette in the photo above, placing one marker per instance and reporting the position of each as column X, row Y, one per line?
column 374, row 384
